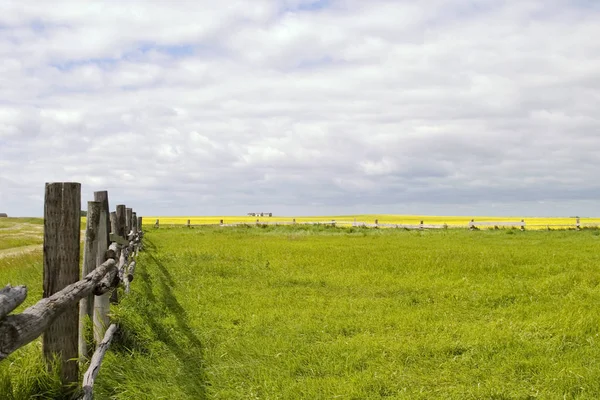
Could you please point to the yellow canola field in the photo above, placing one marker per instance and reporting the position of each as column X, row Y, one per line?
column 452, row 221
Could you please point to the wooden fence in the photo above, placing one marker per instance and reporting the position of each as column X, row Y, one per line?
column 376, row 224
column 70, row 300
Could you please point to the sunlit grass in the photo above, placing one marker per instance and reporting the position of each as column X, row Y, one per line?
column 314, row 312
column 320, row 313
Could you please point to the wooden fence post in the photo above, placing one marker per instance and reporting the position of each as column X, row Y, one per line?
column 102, row 303
column 62, row 221
column 376, row 223
column 421, row 225
column 128, row 222
column 121, row 228
column 139, row 222
column 113, row 222
column 188, row 223
column 121, row 220
column 156, row 225
column 134, row 223
column 89, row 264
column 578, row 224
column 523, row 226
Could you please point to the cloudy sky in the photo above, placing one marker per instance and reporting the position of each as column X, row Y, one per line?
column 304, row 107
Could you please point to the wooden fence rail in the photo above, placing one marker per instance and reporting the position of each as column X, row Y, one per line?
column 72, row 300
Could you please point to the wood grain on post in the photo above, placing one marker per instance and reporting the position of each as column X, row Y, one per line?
column 121, row 220
column 102, row 303
column 62, row 209
column 113, row 223
column 134, row 223
column 90, row 249
column 102, row 197
column 128, row 223
column 121, row 231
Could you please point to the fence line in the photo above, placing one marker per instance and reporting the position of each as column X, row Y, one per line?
column 473, row 225
column 110, row 247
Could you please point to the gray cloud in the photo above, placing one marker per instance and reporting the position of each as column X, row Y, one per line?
column 469, row 107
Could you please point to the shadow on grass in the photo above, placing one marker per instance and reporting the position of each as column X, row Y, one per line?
column 182, row 342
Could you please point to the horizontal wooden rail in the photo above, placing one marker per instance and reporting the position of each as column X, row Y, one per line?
column 11, row 298
column 20, row 329
column 89, row 378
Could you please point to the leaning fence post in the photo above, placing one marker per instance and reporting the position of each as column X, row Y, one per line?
column 102, row 303
column 89, row 264
column 62, row 222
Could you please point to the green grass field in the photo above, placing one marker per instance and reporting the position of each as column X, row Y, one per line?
column 349, row 313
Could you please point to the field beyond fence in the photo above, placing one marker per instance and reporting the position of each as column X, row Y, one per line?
column 315, row 312
column 387, row 221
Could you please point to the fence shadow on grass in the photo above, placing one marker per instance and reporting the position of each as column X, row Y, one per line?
column 182, row 341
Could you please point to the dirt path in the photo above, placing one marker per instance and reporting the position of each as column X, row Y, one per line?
column 14, row 251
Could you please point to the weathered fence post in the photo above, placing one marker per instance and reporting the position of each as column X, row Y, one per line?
column 188, row 223
column 578, row 224
column 113, row 222
column 102, row 303
column 121, row 220
column 134, row 223
column 62, row 221
column 89, row 264
column 139, row 223
column 376, row 223
column 128, row 223
column 523, row 225
column 121, row 231
column 156, row 224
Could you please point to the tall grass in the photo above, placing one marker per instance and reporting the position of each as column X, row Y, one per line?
column 313, row 312
column 310, row 313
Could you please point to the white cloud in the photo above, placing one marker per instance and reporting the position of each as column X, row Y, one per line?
column 304, row 106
